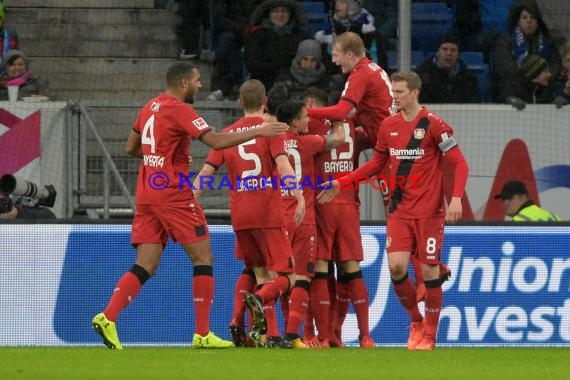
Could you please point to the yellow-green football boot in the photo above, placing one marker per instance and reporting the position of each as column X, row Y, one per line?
column 107, row 330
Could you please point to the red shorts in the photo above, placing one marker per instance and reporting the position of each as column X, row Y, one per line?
column 423, row 236
column 265, row 247
column 154, row 224
column 338, row 229
column 304, row 243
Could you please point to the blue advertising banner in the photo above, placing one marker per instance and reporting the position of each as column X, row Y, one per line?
column 509, row 286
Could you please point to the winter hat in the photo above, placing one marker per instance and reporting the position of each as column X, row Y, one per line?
column 309, row 48
column 12, row 55
column 449, row 38
column 532, row 66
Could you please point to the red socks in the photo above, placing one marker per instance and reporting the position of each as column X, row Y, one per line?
column 359, row 300
column 244, row 284
column 203, row 295
column 298, row 305
column 406, row 292
column 434, row 300
column 320, row 305
column 273, row 288
column 125, row 291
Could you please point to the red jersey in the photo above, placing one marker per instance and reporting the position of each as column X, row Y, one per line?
column 369, row 88
column 166, row 125
column 338, row 161
column 255, row 196
column 301, row 150
column 414, row 150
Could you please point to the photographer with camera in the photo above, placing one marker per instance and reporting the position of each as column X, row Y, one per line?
column 21, row 199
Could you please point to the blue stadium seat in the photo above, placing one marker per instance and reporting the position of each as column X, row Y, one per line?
column 430, row 22
column 472, row 57
column 315, row 22
column 417, row 58
column 475, row 61
column 429, row 10
column 313, row 6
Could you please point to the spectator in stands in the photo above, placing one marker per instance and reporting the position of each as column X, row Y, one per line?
column 446, row 78
column 562, row 83
column 276, row 29
column 309, row 70
column 349, row 16
column 195, row 16
column 8, row 36
column 520, row 207
column 528, row 35
column 533, row 84
column 18, row 74
column 385, row 13
column 479, row 22
column 229, row 20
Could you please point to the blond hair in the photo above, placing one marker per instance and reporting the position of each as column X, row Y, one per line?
column 412, row 79
column 349, row 41
column 252, row 95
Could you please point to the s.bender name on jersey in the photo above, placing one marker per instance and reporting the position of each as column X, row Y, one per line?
column 254, row 183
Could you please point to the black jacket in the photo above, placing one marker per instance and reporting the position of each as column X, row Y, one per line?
column 439, row 86
column 267, row 52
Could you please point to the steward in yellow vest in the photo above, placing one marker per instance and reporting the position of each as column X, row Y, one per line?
column 518, row 205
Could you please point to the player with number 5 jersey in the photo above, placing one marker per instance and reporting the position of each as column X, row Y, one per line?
column 413, row 143
column 257, row 171
column 160, row 137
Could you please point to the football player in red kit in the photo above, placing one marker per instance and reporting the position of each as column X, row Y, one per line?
column 161, row 137
column 413, row 142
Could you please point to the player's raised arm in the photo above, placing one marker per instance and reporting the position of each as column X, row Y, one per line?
column 361, row 175
column 224, row 140
column 339, row 132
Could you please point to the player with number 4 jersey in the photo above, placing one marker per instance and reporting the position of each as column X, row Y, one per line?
column 164, row 208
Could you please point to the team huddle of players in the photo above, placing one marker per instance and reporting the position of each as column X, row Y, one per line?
column 286, row 255
column 289, row 240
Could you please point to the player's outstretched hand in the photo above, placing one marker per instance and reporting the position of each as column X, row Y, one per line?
column 330, row 190
column 273, row 128
column 454, row 210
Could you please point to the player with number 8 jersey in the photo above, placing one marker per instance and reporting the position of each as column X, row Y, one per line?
column 412, row 144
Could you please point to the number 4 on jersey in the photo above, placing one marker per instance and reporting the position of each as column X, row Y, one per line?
column 148, row 134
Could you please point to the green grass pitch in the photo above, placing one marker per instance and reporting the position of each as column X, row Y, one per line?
column 62, row 363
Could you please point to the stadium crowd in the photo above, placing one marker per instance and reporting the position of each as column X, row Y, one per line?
column 485, row 64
